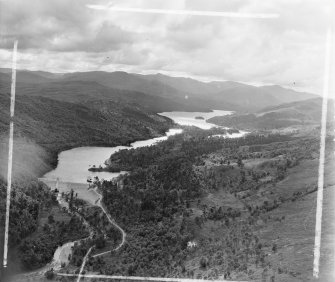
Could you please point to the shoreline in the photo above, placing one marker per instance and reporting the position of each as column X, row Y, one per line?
column 54, row 153
column 52, row 174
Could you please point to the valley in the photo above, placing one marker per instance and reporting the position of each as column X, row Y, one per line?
column 167, row 141
column 225, row 196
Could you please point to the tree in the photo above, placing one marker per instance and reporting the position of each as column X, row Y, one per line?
column 51, row 219
column 243, row 176
column 71, row 200
column 274, row 247
column 100, row 241
column 203, row 262
column 198, row 221
column 240, row 163
column 50, row 274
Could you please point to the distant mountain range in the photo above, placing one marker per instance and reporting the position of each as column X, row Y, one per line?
column 154, row 93
column 299, row 113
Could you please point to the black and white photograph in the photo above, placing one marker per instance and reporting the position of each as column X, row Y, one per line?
column 167, row 141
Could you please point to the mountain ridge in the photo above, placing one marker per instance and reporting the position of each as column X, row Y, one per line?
column 186, row 93
column 293, row 114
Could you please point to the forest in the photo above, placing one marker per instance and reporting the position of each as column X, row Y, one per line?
column 36, row 242
column 161, row 203
column 25, row 208
column 193, row 143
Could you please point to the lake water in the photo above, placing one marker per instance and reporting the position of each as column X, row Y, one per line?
column 73, row 164
column 189, row 118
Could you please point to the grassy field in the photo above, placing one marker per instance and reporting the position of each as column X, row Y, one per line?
column 295, row 234
column 287, row 232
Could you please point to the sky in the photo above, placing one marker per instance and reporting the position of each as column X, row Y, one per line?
column 88, row 35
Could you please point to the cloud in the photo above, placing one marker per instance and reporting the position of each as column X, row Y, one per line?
column 65, row 35
column 102, row 38
column 59, row 25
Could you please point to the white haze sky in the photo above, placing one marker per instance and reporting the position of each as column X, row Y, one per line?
column 69, row 36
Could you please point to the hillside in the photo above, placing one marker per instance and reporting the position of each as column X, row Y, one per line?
column 247, row 204
column 246, row 97
column 51, row 126
column 155, row 92
column 224, row 88
column 84, row 91
column 218, row 95
column 299, row 113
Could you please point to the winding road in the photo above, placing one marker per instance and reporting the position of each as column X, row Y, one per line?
column 111, row 221
column 62, row 253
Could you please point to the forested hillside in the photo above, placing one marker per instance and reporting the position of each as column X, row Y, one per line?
column 301, row 113
column 212, row 191
column 51, row 126
column 158, row 93
column 218, row 95
column 37, row 224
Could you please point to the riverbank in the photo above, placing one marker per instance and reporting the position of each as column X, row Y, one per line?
column 192, row 118
column 79, row 189
column 53, row 159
